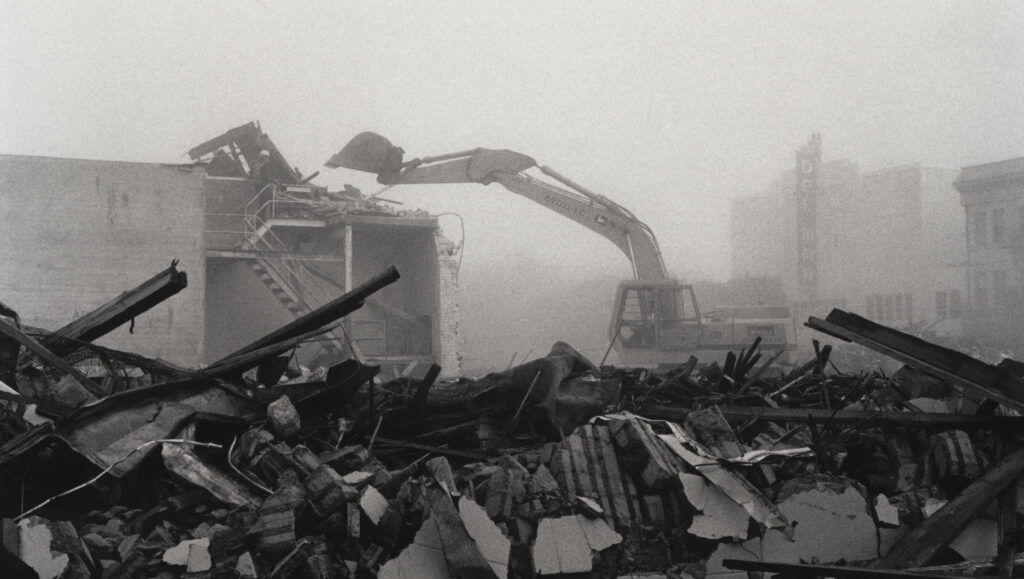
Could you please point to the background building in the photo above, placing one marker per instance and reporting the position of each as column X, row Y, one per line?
column 257, row 253
column 889, row 244
column 993, row 200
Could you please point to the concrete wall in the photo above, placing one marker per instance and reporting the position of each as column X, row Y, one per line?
column 77, row 233
column 239, row 308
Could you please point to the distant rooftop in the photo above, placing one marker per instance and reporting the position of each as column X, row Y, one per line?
column 990, row 174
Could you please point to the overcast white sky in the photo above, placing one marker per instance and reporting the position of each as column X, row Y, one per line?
column 669, row 108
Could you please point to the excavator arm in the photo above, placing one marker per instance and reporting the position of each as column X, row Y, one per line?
column 373, row 153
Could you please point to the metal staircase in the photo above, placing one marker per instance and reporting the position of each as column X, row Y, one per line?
column 291, row 282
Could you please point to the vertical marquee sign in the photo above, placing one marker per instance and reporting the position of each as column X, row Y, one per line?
column 808, row 161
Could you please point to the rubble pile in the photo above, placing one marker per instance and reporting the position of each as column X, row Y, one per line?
column 118, row 466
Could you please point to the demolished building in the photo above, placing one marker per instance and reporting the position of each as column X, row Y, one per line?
column 248, row 466
column 551, row 468
column 260, row 244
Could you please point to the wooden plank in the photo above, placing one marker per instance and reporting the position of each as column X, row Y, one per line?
column 824, row 570
column 925, row 540
column 863, row 418
column 338, row 308
column 1006, row 519
column 121, row 309
column 958, row 368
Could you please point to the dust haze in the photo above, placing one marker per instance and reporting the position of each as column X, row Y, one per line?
column 671, row 109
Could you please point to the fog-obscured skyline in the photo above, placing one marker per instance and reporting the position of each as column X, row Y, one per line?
column 670, row 108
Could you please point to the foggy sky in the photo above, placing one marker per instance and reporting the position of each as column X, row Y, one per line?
column 669, row 108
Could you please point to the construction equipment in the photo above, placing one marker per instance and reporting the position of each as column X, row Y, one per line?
column 656, row 320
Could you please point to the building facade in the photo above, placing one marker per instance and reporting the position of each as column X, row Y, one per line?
column 992, row 195
column 78, row 233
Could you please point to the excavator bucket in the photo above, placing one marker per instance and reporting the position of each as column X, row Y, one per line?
column 365, row 152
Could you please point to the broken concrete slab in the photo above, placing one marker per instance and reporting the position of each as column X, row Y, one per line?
column 599, row 535
column 185, row 464
column 52, row 548
column 832, row 522
column 719, row 517
column 561, row 546
column 489, row 539
column 424, row 558
column 460, row 551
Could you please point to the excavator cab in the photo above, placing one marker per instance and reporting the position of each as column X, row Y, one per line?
column 654, row 317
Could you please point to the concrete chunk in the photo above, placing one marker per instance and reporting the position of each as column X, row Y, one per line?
column 52, row 548
column 179, row 555
column 284, row 419
column 373, row 504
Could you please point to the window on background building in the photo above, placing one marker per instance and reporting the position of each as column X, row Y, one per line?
column 880, row 307
column 870, row 309
column 908, row 304
column 980, row 236
column 898, row 307
column 999, row 288
column 980, row 291
column 954, row 304
column 889, row 313
column 998, row 228
column 941, row 305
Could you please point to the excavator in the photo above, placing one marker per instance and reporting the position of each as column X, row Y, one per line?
column 656, row 321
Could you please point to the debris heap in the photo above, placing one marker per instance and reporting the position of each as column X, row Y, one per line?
column 118, row 466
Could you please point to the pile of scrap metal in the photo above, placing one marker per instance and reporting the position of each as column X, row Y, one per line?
column 553, row 467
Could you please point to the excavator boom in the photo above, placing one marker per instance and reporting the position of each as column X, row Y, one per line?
column 374, row 153
column 655, row 318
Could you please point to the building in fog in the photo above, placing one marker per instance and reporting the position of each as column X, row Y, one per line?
column 993, row 200
column 77, row 233
column 887, row 244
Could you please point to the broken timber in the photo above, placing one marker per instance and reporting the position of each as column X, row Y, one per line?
column 938, row 530
column 798, row 569
column 46, row 355
column 955, row 367
column 119, row 310
column 323, row 315
column 864, row 418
